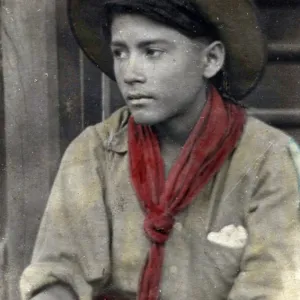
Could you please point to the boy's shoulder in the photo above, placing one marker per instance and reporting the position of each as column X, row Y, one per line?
column 261, row 143
column 109, row 134
column 114, row 126
column 259, row 135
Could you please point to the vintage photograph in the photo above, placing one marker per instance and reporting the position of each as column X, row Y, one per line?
column 150, row 150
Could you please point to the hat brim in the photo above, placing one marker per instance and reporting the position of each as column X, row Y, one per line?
column 237, row 24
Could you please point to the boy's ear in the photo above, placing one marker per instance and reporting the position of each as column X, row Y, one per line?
column 214, row 59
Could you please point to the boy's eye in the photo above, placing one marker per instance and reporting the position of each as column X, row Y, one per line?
column 118, row 53
column 154, row 52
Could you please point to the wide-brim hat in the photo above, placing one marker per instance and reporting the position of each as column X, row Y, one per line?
column 237, row 24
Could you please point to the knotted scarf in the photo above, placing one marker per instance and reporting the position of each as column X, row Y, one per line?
column 211, row 141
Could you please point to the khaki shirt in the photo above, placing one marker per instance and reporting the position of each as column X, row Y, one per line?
column 238, row 240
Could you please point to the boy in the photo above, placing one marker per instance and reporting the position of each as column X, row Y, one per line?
column 178, row 195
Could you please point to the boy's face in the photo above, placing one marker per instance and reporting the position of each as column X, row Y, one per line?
column 160, row 72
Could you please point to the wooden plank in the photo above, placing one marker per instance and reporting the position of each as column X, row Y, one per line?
column 32, row 129
column 3, row 210
column 70, row 78
column 283, row 118
column 92, row 93
column 278, row 89
column 284, row 52
column 3, row 265
column 277, row 3
column 106, row 97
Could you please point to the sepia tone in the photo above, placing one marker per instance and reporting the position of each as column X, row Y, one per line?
column 50, row 92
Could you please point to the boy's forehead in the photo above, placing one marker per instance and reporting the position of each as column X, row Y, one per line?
column 138, row 28
column 138, row 24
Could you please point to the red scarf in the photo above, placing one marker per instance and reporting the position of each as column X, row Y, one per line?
column 210, row 143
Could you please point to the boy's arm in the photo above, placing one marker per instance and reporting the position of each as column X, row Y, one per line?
column 72, row 246
column 270, row 268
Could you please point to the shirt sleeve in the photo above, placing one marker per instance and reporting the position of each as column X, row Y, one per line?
column 270, row 267
column 72, row 246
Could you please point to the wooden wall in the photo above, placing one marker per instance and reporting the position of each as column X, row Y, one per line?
column 277, row 97
column 2, row 179
column 52, row 92
column 31, row 126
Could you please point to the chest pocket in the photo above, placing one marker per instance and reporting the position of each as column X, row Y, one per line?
column 224, row 250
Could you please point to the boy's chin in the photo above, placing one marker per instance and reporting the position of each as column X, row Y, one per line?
column 142, row 119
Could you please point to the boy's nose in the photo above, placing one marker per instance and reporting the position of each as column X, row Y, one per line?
column 134, row 72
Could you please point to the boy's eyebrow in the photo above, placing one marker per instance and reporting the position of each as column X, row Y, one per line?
column 145, row 43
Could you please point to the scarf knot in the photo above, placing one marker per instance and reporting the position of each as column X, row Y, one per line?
column 158, row 226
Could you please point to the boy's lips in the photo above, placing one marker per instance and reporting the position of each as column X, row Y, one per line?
column 136, row 96
column 138, row 99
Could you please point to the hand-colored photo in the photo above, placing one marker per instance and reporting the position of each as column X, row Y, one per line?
column 150, row 150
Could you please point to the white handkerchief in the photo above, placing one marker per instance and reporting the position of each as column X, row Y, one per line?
column 230, row 236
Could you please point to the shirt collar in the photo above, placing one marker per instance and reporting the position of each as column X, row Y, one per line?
column 118, row 142
column 117, row 125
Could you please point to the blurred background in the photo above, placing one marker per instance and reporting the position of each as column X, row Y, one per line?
column 49, row 92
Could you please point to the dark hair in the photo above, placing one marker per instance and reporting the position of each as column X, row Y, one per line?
column 182, row 15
